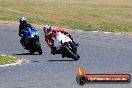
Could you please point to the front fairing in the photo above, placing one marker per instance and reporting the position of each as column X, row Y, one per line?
column 30, row 33
column 60, row 39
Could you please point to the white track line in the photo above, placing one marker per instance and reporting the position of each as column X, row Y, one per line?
column 95, row 31
column 107, row 32
column 101, row 32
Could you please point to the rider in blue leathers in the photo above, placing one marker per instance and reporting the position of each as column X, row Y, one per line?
column 23, row 25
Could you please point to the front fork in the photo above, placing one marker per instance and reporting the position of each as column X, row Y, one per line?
column 74, row 48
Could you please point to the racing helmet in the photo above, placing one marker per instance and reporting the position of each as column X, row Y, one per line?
column 23, row 20
column 47, row 29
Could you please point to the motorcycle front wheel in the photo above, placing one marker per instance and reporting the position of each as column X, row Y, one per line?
column 31, row 51
column 74, row 56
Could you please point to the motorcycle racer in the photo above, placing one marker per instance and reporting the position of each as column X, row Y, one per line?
column 50, row 33
column 23, row 25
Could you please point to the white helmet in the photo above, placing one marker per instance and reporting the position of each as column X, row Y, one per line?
column 23, row 19
column 47, row 29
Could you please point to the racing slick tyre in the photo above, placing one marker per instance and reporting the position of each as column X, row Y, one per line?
column 74, row 56
column 38, row 47
column 31, row 51
column 40, row 51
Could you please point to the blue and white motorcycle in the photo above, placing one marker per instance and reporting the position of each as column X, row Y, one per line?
column 32, row 42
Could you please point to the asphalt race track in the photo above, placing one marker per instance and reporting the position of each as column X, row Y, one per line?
column 100, row 53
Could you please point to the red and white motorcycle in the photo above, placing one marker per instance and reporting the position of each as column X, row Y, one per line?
column 65, row 46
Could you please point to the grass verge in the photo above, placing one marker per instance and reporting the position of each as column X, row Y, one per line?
column 7, row 60
column 89, row 15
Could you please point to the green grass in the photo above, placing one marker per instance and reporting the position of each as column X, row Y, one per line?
column 100, row 15
column 7, row 60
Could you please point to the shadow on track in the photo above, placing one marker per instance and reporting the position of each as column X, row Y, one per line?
column 58, row 60
column 25, row 54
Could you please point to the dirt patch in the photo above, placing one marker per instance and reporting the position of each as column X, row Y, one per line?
column 38, row 26
column 17, row 23
column 8, row 22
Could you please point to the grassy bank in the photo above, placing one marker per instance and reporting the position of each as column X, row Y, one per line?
column 100, row 15
column 7, row 60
